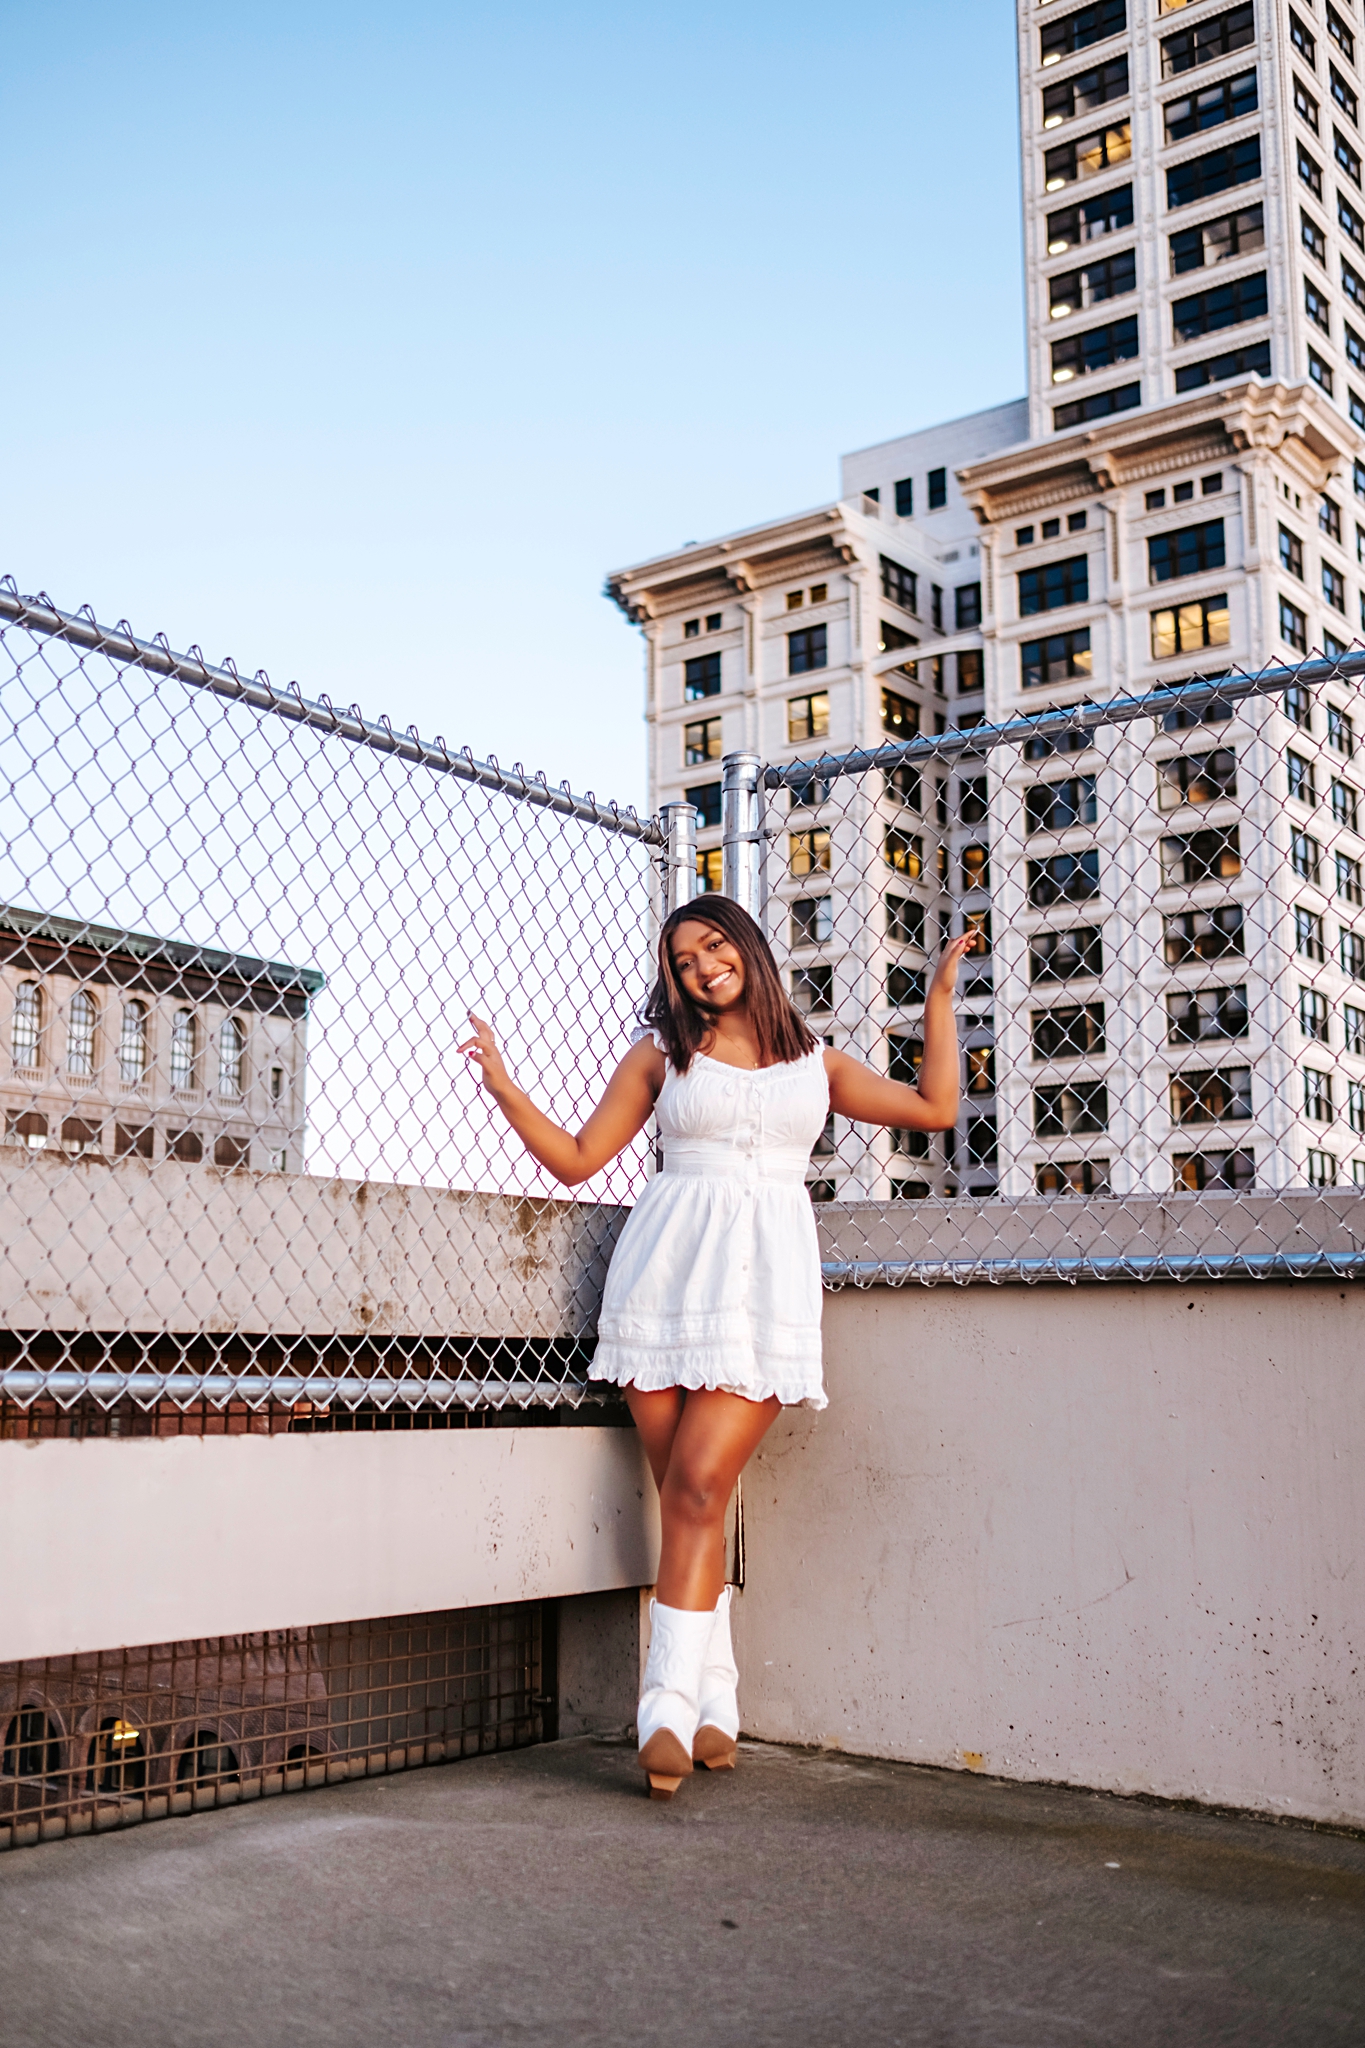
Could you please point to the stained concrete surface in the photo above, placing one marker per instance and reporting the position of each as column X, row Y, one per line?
column 538, row 1898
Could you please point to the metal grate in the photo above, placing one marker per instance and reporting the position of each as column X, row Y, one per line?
column 114, row 1737
column 46, row 1419
column 239, row 937
column 1164, row 1017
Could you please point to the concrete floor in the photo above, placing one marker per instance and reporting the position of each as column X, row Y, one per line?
column 807, row 1899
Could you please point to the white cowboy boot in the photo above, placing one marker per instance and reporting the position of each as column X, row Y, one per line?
column 666, row 1719
column 718, row 1704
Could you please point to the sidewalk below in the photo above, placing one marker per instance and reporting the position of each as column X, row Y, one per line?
column 806, row 1901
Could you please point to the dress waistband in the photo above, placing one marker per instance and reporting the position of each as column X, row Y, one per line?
column 736, row 1159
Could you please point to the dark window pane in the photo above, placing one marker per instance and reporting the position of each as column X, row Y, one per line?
column 1221, row 169
column 1222, row 306
column 1251, row 361
column 1106, row 213
column 1077, row 31
column 1185, row 551
column 1096, row 405
column 707, row 800
column 1208, row 41
column 701, row 677
column 899, row 584
column 1064, row 956
column 1056, row 806
column 1069, row 1032
column 1081, row 355
column 807, row 650
column 1055, row 584
column 968, row 606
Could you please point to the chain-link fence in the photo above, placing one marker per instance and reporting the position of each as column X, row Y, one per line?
column 1163, row 1019
column 240, row 935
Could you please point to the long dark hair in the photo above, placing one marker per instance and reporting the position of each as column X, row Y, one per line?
column 683, row 1024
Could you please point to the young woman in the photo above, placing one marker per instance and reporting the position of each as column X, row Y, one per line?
column 710, row 1319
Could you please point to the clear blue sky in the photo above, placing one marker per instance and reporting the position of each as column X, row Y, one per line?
column 360, row 342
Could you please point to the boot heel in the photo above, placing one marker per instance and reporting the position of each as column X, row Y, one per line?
column 664, row 1762
column 714, row 1748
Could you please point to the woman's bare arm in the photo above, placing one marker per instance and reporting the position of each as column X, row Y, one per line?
column 621, row 1115
column 931, row 1105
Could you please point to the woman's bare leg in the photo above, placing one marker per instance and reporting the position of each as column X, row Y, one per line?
column 711, row 1443
column 656, row 1415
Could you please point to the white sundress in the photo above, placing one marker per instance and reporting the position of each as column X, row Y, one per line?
column 715, row 1280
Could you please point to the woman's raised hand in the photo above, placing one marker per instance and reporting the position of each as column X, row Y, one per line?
column 949, row 960
column 482, row 1048
column 621, row 1115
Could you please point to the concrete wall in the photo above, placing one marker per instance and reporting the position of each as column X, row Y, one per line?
column 1108, row 1535
column 603, row 1639
column 150, row 1540
column 94, row 1246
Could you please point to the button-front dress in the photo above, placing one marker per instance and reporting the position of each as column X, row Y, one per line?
column 715, row 1280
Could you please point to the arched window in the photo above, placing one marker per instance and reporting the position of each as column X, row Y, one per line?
column 80, row 1035
column 206, row 1757
column 31, row 1746
column 118, row 1758
column 231, row 1040
column 27, row 1033
column 132, row 1044
column 184, row 1045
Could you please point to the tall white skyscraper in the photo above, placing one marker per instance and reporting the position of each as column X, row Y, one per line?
column 1192, row 203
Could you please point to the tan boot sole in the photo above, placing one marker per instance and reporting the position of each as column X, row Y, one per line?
column 665, row 1763
column 714, row 1748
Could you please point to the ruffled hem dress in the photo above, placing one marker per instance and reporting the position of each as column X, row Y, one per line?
column 715, row 1280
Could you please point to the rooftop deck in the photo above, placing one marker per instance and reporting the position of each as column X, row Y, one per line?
column 539, row 1898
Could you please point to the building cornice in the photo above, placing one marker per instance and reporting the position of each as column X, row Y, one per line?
column 742, row 562
column 1291, row 421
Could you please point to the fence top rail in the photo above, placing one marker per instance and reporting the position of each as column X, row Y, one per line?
column 979, row 739
column 82, row 630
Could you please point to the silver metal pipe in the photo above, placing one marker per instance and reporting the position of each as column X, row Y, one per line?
column 349, row 1390
column 980, row 739
column 679, row 822
column 742, row 831
column 1177, row 1266
column 81, row 629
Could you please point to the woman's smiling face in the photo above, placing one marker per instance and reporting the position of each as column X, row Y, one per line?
column 708, row 965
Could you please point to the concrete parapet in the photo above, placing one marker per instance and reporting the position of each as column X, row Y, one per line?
column 91, row 1245
column 1139, row 1228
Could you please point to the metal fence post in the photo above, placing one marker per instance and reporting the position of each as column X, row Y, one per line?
column 679, row 823
column 741, row 831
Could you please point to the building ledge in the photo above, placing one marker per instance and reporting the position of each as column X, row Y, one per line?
column 1290, row 419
